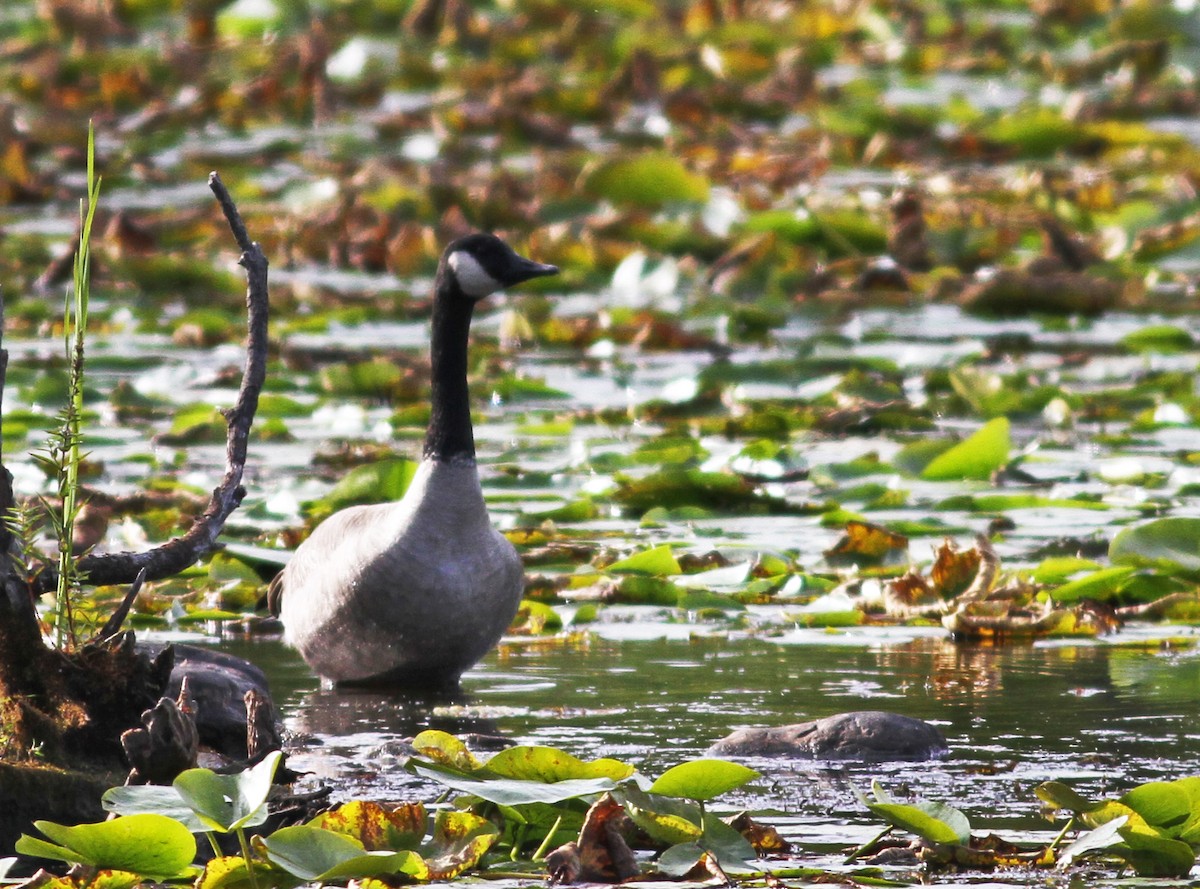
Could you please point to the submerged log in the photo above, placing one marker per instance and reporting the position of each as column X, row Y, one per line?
column 863, row 735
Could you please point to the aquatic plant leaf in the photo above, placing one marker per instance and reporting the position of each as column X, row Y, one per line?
column 641, row 589
column 702, row 779
column 674, row 487
column 141, row 799
column 549, row 765
column 511, row 791
column 1163, row 339
column 152, row 845
column 1190, row 831
column 647, row 180
column 377, row 482
column 1056, row 569
column 1099, row 585
column 679, row 859
column 953, row 569
column 459, row 841
column 916, row 455
column 934, row 822
column 1103, row 837
column 864, row 543
column 103, row 879
column 1060, row 796
column 317, row 855
column 1154, row 855
column 1163, row 804
column 195, row 423
column 1034, row 132
column 535, row 618
column 601, row 853
column 731, row 849
column 1170, row 544
column 657, row 561
column 223, row 568
column 977, row 457
column 723, row 577
column 1107, row 810
column 446, row 750
column 230, row 872
column 704, row 600
column 666, row 819
column 765, row 839
column 375, row 827
column 229, row 802
column 1007, row 502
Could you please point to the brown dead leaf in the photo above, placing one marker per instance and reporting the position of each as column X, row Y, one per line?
column 708, row 870
column 909, row 592
column 953, row 569
column 865, row 543
column 765, row 839
column 601, row 854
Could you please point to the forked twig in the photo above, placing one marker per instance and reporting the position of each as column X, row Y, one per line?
column 179, row 553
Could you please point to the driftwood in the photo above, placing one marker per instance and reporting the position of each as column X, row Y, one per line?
column 175, row 555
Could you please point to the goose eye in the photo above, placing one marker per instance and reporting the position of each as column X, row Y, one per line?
column 472, row 278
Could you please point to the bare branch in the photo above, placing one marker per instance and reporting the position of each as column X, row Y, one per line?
column 175, row 555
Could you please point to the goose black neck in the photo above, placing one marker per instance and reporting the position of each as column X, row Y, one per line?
column 450, row 435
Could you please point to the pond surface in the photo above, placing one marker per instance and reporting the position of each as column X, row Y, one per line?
column 654, row 686
column 652, row 691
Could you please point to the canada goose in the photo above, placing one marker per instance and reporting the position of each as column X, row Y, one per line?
column 415, row 592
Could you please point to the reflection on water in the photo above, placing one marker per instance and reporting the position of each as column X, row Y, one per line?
column 1104, row 715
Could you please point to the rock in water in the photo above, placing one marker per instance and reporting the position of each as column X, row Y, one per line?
column 863, row 735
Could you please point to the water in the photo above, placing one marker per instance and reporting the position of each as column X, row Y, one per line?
column 1102, row 716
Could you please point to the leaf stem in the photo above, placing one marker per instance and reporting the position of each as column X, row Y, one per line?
column 241, row 835
column 1061, row 834
column 541, row 850
column 853, row 856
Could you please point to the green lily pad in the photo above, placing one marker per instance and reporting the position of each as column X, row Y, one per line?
column 142, row 799
column 657, row 561
column 229, row 802
column 378, row 482
column 934, row 822
column 318, row 856
column 1163, row 804
column 512, row 791
column 1099, row 585
column 549, row 765
column 1170, row 544
column 975, row 458
column 1160, row 338
column 1154, row 855
column 149, row 844
column 648, row 180
column 702, row 779
column 666, row 819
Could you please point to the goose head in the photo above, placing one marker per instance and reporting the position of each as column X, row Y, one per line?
column 478, row 265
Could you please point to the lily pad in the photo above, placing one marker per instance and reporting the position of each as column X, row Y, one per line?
column 647, row 180
column 152, row 845
column 318, row 856
column 1170, row 544
column 975, row 458
column 229, row 802
column 548, row 765
column 702, row 779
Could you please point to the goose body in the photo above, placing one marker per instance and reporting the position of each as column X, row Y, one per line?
column 417, row 591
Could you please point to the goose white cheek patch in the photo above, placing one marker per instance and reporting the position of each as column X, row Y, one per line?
column 473, row 280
